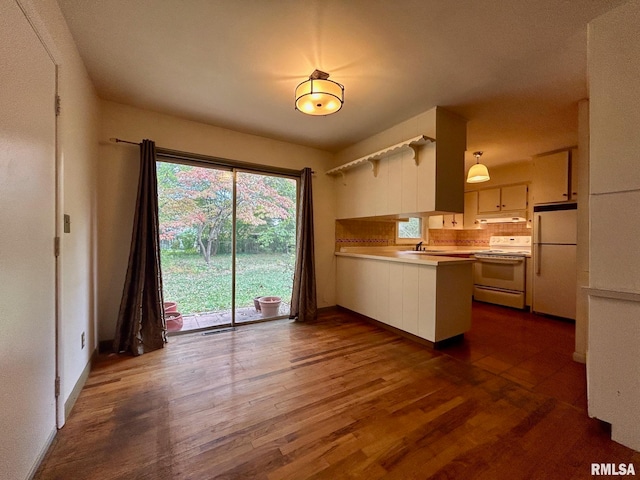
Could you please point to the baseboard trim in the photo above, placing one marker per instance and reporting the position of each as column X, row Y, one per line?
column 75, row 393
column 43, row 453
column 579, row 357
column 409, row 336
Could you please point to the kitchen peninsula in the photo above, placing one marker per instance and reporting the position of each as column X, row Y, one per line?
column 428, row 296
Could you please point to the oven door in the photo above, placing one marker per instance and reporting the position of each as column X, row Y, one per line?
column 501, row 272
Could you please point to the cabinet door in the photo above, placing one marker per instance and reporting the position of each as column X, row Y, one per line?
column 409, row 191
column 436, row 222
column 346, row 281
column 453, row 221
column 514, row 197
column 394, row 185
column 489, row 200
column 574, row 174
column 345, row 195
column 395, row 295
column 551, row 178
column 470, row 209
column 410, row 296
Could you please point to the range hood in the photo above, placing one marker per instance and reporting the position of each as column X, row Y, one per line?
column 502, row 217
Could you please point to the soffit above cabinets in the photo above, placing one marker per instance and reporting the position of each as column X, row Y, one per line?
column 374, row 158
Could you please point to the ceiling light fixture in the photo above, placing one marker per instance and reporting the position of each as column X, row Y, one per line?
column 478, row 172
column 319, row 95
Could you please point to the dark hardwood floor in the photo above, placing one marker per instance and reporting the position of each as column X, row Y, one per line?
column 532, row 350
column 337, row 399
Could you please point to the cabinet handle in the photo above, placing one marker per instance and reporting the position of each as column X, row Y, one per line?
column 503, row 206
column 565, row 194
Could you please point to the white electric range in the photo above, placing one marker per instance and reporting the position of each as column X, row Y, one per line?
column 500, row 272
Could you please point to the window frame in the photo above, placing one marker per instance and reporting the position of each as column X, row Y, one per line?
column 412, row 241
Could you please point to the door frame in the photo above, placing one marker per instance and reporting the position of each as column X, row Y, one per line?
column 204, row 161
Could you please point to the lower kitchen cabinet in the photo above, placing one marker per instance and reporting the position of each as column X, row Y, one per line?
column 430, row 301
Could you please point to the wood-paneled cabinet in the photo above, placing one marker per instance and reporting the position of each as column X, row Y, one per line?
column 413, row 177
column 554, row 178
column 504, row 199
column 470, row 209
column 431, row 302
column 513, row 197
column 448, row 221
column 489, row 200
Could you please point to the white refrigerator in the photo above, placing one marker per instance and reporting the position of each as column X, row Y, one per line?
column 554, row 259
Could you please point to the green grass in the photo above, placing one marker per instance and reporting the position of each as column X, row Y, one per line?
column 198, row 287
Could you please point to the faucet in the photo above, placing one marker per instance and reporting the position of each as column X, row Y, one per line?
column 418, row 246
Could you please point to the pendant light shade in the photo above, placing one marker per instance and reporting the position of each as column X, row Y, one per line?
column 478, row 173
column 318, row 95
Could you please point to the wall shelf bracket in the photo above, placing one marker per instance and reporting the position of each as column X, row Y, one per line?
column 374, row 158
column 375, row 165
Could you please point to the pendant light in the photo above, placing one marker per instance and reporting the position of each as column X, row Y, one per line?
column 478, row 173
column 319, row 95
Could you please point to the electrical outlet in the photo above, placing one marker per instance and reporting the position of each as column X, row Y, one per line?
column 82, row 339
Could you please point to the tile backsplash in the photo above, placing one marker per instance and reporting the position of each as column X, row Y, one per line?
column 479, row 237
column 366, row 233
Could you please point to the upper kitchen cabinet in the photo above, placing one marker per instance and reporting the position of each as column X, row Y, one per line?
column 509, row 198
column 419, row 175
column 449, row 221
column 470, row 209
column 489, row 200
column 554, row 179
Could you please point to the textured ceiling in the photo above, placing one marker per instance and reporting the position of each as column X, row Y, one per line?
column 514, row 68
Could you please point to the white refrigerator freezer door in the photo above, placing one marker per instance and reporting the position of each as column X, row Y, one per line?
column 558, row 226
column 554, row 280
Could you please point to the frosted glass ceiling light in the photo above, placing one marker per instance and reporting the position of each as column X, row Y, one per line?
column 478, row 172
column 318, row 95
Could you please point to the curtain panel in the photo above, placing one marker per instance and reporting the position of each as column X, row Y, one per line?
column 141, row 324
column 303, row 299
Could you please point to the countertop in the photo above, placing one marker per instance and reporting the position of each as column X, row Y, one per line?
column 404, row 255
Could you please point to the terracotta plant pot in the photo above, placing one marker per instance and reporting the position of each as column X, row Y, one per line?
column 270, row 306
column 256, row 303
column 174, row 321
column 170, row 307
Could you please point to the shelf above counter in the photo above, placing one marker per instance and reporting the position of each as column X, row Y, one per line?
column 374, row 158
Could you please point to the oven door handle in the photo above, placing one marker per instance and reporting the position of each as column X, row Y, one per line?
column 490, row 259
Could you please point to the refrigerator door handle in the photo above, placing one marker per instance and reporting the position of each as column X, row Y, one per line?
column 538, row 259
column 539, row 246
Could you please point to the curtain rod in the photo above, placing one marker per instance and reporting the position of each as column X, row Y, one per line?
column 165, row 152
column 118, row 140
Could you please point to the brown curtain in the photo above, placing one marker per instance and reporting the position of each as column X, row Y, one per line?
column 141, row 325
column 304, row 305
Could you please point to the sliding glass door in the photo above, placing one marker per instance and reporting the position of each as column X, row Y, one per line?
column 227, row 240
column 265, row 245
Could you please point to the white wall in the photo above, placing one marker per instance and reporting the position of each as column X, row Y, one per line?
column 613, row 356
column 77, row 151
column 118, row 173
